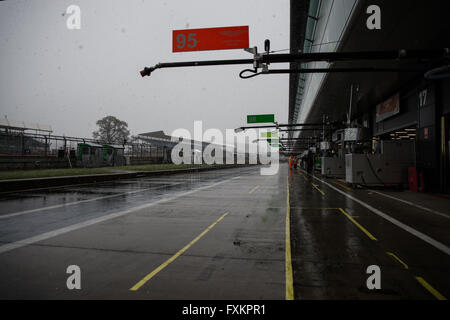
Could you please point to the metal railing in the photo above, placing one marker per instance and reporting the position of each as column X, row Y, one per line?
column 21, row 144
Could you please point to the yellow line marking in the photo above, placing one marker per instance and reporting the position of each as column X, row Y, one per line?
column 288, row 263
column 398, row 259
column 317, row 187
column 304, row 176
column 176, row 255
column 342, row 185
column 253, row 190
column 432, row 290
column 357, row 224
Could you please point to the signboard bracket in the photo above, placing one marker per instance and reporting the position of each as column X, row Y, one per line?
column 263, row 60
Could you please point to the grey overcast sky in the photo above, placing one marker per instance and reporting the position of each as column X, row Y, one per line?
column 71, row 78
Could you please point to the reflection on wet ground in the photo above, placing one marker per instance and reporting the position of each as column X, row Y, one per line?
column 231, row 225
column 25, row 200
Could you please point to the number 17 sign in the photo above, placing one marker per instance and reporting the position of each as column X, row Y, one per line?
column 210, row 39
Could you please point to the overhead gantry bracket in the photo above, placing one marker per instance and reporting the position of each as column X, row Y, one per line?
column 261, row 61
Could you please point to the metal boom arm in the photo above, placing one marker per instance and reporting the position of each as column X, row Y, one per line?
column 262, row 60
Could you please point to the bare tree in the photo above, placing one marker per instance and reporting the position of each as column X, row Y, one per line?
column 111, row 130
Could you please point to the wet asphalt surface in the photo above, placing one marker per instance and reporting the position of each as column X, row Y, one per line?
column 230, row 226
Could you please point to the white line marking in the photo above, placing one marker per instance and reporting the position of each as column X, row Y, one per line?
column 418, row 234
column 56, row 206
column 413, row 204
column 57, row 232
column 170, row 182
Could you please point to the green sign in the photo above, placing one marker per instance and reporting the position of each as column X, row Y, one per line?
column 273, row 134
column 261, row 118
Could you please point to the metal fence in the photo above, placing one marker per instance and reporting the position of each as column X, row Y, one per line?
column 20, row 145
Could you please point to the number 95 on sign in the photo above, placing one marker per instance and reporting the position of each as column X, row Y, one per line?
column 191, row 41
column 210, row 39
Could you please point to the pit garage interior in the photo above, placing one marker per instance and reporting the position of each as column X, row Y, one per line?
column 402, row 116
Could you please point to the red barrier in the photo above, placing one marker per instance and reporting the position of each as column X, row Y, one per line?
column 412, row 179
column 415, row 179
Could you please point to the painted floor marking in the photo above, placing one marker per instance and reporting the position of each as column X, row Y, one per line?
column 317, row 188
column 175, row 256
column 371, row 237
column 288, row 258
column 342, row 185
column 398, row 259
column 57, row 232
column 430, row 289
column 413, row 204
column 253, row 190
column 19, row 213
column 438, row 245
